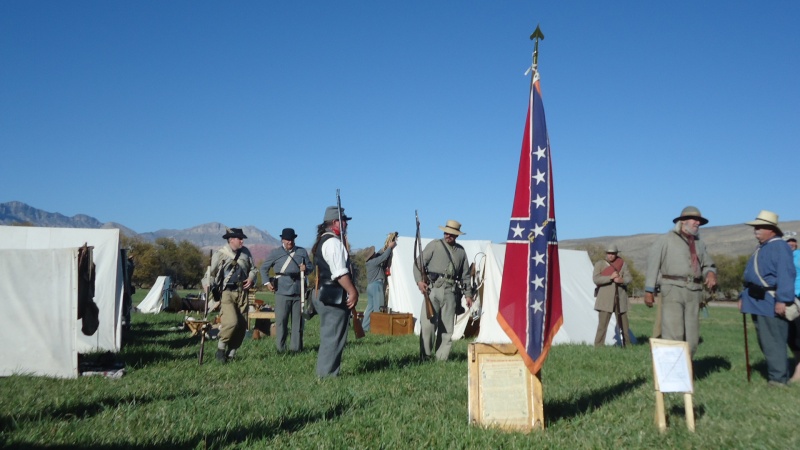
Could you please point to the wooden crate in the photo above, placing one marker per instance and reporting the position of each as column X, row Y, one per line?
column 394, row 324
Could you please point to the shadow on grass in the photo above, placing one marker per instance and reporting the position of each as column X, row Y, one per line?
column 385, row 363
column 222, row 438
column 88, row 409
column 568, row 409
column 680, row 411
column 704, row 367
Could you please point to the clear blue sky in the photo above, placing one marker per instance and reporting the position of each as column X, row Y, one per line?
column 170, row 114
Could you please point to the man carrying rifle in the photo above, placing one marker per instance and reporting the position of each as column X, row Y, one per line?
column 336, row 293
column 288, row 261
column 611, row 276
column 448, row 274
column 233, row 272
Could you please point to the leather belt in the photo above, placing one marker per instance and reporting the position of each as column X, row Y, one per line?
column 686, row 278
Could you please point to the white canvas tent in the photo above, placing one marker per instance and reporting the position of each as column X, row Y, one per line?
column 157, row 299
column 108, row 282
column 580, row 318
column 39, row 338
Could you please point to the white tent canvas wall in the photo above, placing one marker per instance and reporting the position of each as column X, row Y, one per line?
column 580, row 318
column 155, row 301
column 39, row 339
column 108, row 282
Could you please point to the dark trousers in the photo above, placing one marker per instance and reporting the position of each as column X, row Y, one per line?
column 772, row 334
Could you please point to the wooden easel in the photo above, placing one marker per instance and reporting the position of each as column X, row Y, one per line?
column 672, row 372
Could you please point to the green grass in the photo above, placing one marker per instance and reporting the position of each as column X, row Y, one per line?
column 385, row 399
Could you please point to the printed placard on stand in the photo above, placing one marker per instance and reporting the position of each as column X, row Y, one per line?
column 502, row 391
column 672, row 372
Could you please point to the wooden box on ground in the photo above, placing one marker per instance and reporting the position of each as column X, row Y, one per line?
column 502, row 391
column 392, row 324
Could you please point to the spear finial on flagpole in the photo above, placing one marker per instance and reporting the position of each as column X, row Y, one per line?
column 537, row 34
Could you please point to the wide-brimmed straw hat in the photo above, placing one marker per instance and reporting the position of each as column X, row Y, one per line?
column 233, row 232
column 691, row 212
column 369, row 253
column 452, row 227
column 612, row 248
column 766, row 219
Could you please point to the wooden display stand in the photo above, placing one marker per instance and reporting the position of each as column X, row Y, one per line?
column 672, row 372
column 392, row 324
column 502, row 391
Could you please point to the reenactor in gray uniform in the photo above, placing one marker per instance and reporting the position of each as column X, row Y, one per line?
column 233, row 273
column 288, row 262
column 448, row 271
column 683, row 262
column 336, row 293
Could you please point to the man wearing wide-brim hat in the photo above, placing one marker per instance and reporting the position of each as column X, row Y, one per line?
column 233, row 272
column 769, row 280
column 448, row 272
column 288, row 262
column 680, row 260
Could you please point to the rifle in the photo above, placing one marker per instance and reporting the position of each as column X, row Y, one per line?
column 358, row 329
column 387, row 269
column 205, row 314
column 746, row 349
column 623, row 339
column 420, row 263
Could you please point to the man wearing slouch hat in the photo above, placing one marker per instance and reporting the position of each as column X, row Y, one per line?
column 768, row 290
column 684, row 266
column 233, row 272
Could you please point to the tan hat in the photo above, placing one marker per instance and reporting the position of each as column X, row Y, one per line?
column 452, row 227
column 369, row 253
column 691, row 212
column 766, row 219
column 612, row 248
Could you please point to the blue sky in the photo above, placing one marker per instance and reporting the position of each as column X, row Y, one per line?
column 172, row 114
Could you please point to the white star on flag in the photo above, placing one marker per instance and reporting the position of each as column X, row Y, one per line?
column 539, row 200
column 539, row 177
column 537, row 306
column 538, row 282
column 518, row 230
column 540, row 153
column 538, row 230
column 539, row 258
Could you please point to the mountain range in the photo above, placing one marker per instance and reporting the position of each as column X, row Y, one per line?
column 206, row 236
column 727, row 239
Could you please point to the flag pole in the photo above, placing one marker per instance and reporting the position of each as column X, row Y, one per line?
column 537, row 34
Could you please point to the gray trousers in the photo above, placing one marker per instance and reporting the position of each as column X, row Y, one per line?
column 435, row 335
column 287, row 307
column 680, row 315
column 233, row 325
column 333, row 325
column 772, row 334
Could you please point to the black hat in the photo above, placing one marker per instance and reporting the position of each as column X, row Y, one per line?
column 233, row 232
column 288, row 234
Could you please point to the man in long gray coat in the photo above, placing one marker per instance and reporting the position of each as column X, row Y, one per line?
column 683, row 262
column 611, row 276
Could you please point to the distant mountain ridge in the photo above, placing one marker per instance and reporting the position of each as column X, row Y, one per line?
column 206, row 236
column 727, row 239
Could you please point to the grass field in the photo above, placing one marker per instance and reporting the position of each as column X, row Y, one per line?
column 386, row 399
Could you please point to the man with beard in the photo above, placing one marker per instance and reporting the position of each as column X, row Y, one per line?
column 611, row 276
column 683, row 262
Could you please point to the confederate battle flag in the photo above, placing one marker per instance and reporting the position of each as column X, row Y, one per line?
column 530, row 296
